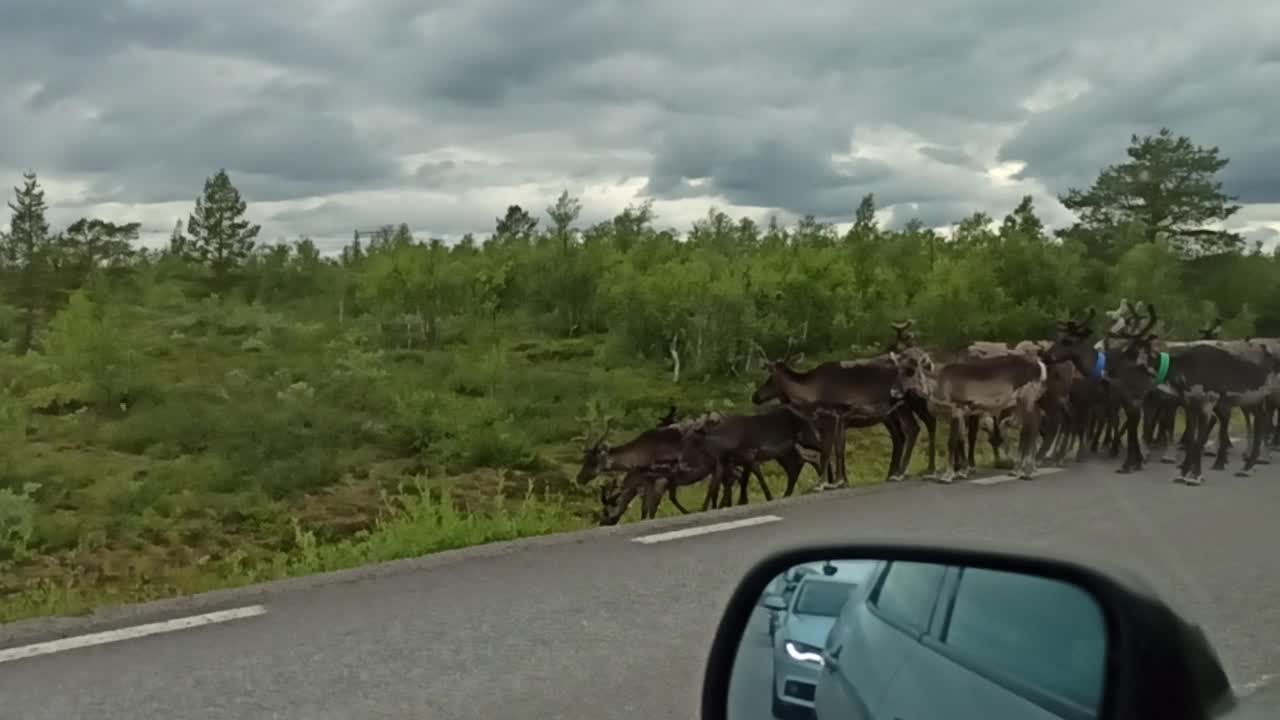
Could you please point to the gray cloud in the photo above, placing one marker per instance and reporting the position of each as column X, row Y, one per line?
column 346, row 113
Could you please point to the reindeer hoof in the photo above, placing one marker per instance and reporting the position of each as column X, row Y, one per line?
column 1264, row 461
column 1168, row 459
column 1193, row 480
column 1244, row 473
column 947, row 478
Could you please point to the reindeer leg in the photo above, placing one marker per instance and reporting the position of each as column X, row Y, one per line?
column 1212, row 450
column 652, row 496
column 792, row 464
column 955, row 447
column 921, row 410
column 713, row 486
column 911, row 427
column 842, row 469
column 1222, row 418
column 1204, row 410
column 611, row 516
column 971, row 423
column 1030, row 437
column 764, row 486
column 1257, row 421
column 740, row 480
column 1133, row 456
column 895, row 438
column 674, row 495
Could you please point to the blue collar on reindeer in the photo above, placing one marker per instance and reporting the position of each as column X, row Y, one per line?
column 1100, row 365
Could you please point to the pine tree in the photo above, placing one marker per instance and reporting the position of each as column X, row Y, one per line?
column 27, row 249
column 219, row 236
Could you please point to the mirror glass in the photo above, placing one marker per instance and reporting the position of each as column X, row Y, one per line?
column 868, row 638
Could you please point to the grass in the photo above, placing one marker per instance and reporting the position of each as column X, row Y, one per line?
column 310, row 449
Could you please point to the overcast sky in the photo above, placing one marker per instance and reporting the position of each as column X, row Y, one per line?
column 341, row 114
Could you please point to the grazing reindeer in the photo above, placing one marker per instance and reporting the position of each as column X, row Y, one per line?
column 856, row 394
column 747, row 441
column 654, row 453
column 981, row 385
column 691, row 468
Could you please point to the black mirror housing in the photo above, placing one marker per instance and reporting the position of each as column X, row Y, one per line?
column 1158, row 663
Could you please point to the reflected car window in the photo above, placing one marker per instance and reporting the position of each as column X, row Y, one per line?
column 1044, row 632
column 818, row 597
column 908, row 592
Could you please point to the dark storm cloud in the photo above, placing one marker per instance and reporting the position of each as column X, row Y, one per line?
column 1213, row 90
column 762, row 105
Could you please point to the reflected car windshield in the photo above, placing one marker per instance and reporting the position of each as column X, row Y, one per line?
column 822, row 597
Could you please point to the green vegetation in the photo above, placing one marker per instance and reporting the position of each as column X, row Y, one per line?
column 222, row 411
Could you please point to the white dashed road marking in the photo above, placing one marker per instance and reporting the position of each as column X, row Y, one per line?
column 997, row 479
column 129, row 633
column 705, row 529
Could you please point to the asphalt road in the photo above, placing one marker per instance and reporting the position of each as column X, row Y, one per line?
column 599, row 626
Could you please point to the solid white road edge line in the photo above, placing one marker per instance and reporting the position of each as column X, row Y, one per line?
column 137, row 631
column 705, row 529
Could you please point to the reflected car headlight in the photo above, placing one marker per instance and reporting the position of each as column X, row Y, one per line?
column 802, row 652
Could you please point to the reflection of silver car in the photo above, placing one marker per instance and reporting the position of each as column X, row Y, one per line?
column 919, row 641
column 802, row 623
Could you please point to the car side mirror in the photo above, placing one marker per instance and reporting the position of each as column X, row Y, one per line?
column 773, row 601
column 959, row 630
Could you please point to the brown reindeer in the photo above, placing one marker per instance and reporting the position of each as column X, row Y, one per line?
column 852, row 393
column 981, row 385
column 692, row 467
column 747, row 441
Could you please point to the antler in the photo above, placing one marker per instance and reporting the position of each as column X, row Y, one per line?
column 1210, row 329
column 1151, row 322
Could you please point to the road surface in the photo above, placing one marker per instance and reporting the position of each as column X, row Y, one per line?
column 598, row 625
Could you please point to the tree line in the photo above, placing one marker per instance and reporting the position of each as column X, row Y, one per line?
column 205, row 394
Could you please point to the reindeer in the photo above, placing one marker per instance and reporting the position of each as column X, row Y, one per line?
column 851, row 393
column 650, row 482
column 904, row 340
column 1205, row 379
column 653, row 454
column 746, row 441
column 1257, row 351
column 981, row 385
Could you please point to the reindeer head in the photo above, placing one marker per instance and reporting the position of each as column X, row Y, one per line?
column 1072, row 339
column 904, row 335
column 1139, row 347
column 610, row 493
column 915, row 370
column 771, row 389
column 595, row 456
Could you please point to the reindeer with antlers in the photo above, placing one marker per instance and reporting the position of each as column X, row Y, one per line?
column 1205, row 379
column 844, row 394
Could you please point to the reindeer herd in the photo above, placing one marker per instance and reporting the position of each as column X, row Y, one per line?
column 1068, row 397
